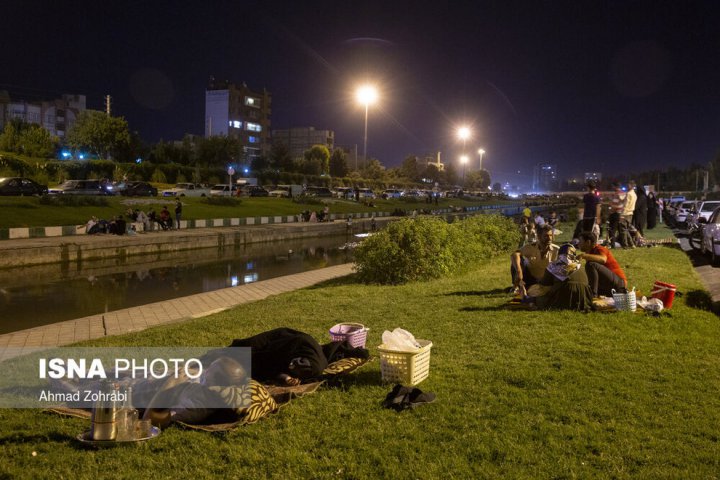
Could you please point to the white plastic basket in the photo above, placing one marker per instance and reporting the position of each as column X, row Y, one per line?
column 407, row 368
column 625, row 301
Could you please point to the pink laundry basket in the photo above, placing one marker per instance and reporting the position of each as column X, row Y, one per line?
column 355, row 333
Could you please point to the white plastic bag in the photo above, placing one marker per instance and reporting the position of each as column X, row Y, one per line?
column 400, row 340
column 652, row 304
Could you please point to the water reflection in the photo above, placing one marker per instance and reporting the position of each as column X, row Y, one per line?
column 35, row 296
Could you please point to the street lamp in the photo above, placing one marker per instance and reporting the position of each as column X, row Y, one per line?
column 463, row 134
column 463, row 160
column 366, row 95
column 481, row 152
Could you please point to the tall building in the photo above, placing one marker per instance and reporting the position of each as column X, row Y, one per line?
column 593, row 176
column 56, row 116
column 237, row 111
column 300, row 139
column 545, row 177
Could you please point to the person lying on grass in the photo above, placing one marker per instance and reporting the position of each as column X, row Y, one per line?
column 603, row 271
column 288, row 356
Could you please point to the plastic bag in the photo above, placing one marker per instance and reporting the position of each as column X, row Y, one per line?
column 652, row 304
column 400, row 340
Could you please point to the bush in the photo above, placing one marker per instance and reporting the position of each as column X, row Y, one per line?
column 307, row 200
column 427, row 248
column 222, row 201
column 407, row 250
column 74, row 201
column 485, row 236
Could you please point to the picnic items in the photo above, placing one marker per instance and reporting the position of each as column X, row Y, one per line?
column 625, row 301
column 404, row 359
column 355, row 333
column 665, row 292
column 401, row 398
column 651, row 304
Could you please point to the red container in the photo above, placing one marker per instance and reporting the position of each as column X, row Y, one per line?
column 665, row 292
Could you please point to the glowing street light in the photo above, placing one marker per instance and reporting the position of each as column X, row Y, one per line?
column 463, row 134
column 463, row 160
column 366, row 95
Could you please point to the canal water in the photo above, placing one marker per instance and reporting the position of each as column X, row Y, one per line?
column 45, row 294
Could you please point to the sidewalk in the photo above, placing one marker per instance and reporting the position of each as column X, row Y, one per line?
column 139, row 318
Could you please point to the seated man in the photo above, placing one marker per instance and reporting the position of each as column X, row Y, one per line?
column 603, row 271
column 528, row 263
column 565, row 285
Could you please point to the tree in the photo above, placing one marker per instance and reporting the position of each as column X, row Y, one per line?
column 451, row 176
column 432, row 173
column 218, row 151
column 100, row 134
column 374, row 170
column 280, row 158
column 478, row 179
column 28, row 138
column 316, row 160
column 338, row 163
column 410, row 168
column 497, row 187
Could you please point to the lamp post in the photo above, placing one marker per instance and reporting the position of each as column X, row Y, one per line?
column 481, row 152
column 366, row 95
column 463, row 134
column 463, row 160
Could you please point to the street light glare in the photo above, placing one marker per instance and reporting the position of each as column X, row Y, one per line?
column 464, row 159
column 367, row 95
column 481, row 151
column 463, row 133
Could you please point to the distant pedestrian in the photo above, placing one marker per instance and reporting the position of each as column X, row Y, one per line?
column 178, row 212
column 591, row 207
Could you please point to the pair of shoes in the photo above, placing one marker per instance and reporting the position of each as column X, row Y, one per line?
column 401, row 398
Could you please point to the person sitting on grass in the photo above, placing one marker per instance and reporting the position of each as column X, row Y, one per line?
column 603, row 271
column 528, row 263
column 565, row 286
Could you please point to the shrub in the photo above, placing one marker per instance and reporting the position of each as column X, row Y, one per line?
column 407, row 250
column 222, row 201
column 427, row 248
column 484, row 236
column 307, row 200
column 74, row 201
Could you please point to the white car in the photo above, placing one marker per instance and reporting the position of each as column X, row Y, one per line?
column 711, row 237
column 705, row 209
column 682, row 211
column 186, row 190
column 223, row 190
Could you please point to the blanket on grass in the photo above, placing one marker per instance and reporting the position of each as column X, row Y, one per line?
column 599, row 305
column 263, row 399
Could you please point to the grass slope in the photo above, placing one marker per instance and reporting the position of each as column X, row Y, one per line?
column 520, row 394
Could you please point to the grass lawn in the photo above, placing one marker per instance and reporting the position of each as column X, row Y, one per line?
column 520, row 394
column 28, row 212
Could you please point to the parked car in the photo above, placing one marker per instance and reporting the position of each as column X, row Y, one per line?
column 706, row 208
column 710, row 237
column 222, row 190
column 21, row 186
column 83, row 187
column 286, row 191
column 253, row 191
column 366, row 193
column 682, row 211
column 186, row 190
column 392, row 193
column 139, row 189
column 318, row 192
column 344, row 192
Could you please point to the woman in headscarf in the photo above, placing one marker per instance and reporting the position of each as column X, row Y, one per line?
column 652, row 211
column 640, row 214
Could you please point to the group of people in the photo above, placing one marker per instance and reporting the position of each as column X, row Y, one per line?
column 551, row 276
column 631, row 213
column 119, row 226
column 315, row 216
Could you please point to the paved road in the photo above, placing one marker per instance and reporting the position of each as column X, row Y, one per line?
column 709, row 275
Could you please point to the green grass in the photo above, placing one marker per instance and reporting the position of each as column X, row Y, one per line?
column 28, row 212
column 520, row 394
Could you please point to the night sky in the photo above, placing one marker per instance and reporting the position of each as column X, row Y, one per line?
column 615, row 86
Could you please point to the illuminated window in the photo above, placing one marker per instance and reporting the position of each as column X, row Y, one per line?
column 237, row 124
column 253, row 139
column 252, row 102
column 253, row 127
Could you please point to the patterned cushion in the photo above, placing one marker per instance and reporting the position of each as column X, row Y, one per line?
column 345, row 365
column 251, row 402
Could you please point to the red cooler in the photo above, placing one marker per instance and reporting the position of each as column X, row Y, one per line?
column 665, row 292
